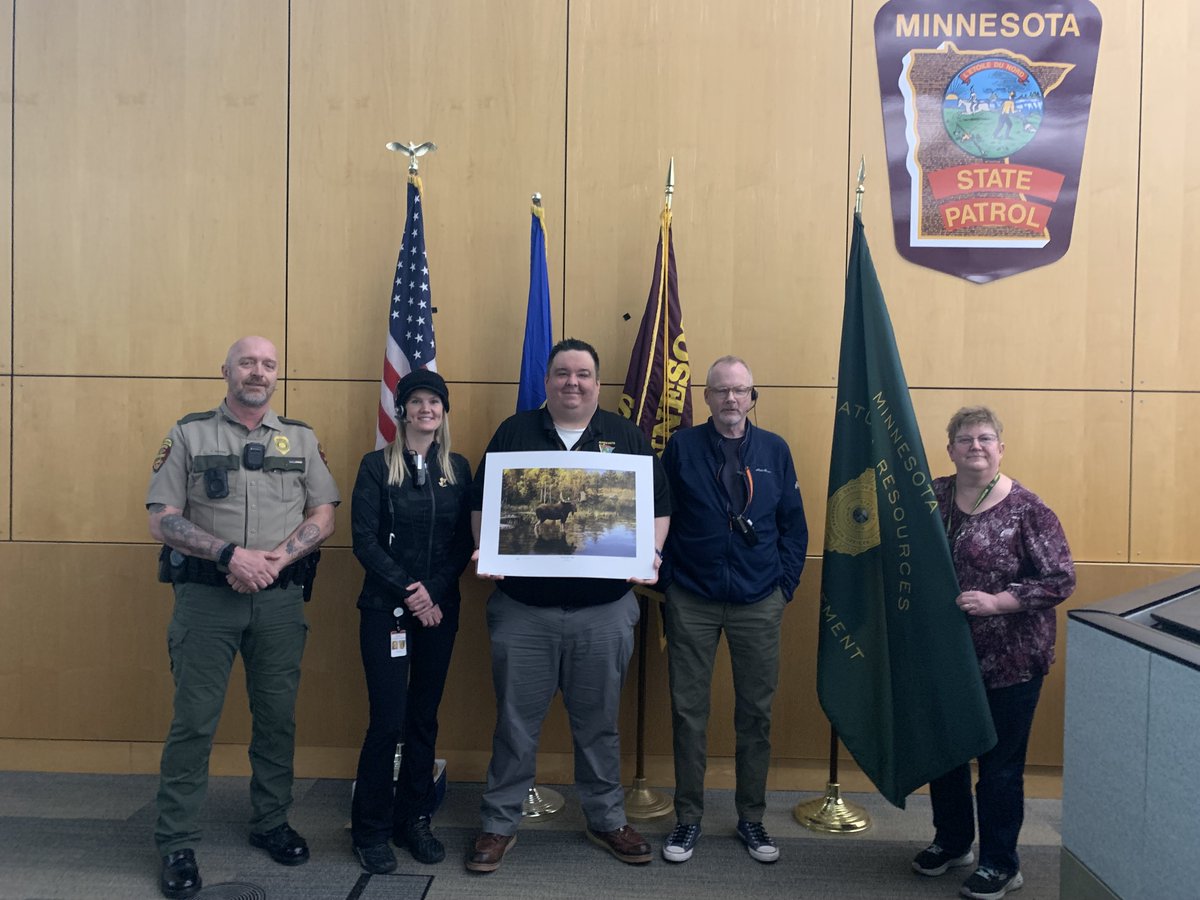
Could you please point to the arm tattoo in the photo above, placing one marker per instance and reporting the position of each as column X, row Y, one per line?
column 156, row 507
column 183, row 535
column 303, row 540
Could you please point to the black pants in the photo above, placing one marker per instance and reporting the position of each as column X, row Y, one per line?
column 404, row 694
column 1001, row 789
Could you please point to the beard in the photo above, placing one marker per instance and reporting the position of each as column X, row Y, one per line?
column 243, row 395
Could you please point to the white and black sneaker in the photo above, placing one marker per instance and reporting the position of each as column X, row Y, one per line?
column 757, row 841
column 934, row 861
column 987, row 883
column 681, row 842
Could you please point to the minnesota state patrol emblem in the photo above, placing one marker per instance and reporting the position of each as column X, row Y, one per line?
column 985, row 116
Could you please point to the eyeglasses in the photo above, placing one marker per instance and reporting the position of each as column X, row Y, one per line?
column 741, row 392
column 985, row 440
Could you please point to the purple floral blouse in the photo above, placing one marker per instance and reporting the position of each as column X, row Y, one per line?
column 1017, row 546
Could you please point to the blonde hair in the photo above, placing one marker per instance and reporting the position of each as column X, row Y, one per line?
column 393, row 453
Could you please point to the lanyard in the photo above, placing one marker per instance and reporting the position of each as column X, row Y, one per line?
column 953, row 532
column 749, row 490
column 984, row 493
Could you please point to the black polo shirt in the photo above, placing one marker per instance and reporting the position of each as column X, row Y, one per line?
column 606, row 433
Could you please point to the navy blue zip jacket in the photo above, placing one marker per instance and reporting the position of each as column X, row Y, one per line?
column 705, row 554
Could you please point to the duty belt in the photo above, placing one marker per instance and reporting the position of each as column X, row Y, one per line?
column 177, row 568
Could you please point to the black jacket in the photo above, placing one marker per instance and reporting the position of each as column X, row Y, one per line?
column 423, row 534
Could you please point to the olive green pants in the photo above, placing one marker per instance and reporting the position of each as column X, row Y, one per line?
column 210, row 626
column 694, row 625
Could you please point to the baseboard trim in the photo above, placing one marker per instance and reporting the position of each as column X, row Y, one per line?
column 141, row 758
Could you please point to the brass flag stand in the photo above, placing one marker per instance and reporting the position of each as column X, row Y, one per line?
column 642, row 802
column 541, row 803
column 832, row 814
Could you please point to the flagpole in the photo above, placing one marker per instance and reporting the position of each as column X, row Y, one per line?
column 642, row 802
column 541, row 802
column 830, row 813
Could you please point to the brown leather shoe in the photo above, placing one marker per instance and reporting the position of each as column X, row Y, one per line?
column 488, row 851
column 625, row 844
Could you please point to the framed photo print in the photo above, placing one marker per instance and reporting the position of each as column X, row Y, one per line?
column 575, row 515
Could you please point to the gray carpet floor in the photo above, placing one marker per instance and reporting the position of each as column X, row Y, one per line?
column 89, row 836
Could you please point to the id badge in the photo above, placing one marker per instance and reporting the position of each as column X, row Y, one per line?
column 399, row 642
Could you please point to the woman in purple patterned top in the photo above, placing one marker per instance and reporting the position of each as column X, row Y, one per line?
column 1013, row 566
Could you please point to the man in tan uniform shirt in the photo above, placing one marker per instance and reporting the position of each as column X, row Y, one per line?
column 239, row 497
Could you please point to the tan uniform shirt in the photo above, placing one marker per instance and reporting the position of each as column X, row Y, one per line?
column 264, row 506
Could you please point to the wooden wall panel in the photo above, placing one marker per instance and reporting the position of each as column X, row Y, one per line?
column 150, row 183
column 485, row 81
column 1168, row 320
column 1064, row 326
column 1071, row 448
column 57, row 688
column 83, row 654
column 82, row 456
column 176, row 214
column 6, row 87
column 740, row 102
column 6, row 422
column 1165, row 518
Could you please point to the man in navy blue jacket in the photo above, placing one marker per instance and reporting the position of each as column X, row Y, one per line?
column 732, row 562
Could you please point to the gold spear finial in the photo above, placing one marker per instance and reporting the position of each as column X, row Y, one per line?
column 860, row 190
column 670, row 181
column 412, row 151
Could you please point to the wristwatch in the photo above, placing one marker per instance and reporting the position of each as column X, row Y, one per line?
column 226, row 555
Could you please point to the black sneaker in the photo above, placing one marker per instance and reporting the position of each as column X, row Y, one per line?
column 420, row 841
column 987, row 883
column 681, row 842
column 759, row 844
column 378, row 859
column 934, row 861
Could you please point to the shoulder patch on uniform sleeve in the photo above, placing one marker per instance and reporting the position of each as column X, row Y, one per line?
column 197, row 416
column 161, row 457
column 295, row 422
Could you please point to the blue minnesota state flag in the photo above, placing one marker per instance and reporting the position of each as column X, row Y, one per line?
column 897, row 673
column 531, row 391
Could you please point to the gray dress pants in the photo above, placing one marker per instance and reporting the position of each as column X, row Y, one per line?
column 537, row 651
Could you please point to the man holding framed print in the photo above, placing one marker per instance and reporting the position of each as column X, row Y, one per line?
column 733, row 561
column 565, row 633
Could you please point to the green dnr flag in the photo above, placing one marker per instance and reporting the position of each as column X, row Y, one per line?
column 896, row 673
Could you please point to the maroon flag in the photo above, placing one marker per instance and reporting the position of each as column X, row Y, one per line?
column 656, row 396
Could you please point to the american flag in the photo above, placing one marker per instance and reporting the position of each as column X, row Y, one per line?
column 410, row 343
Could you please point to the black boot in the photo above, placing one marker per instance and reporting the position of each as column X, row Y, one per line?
column 421, row 843
column 180, row 876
